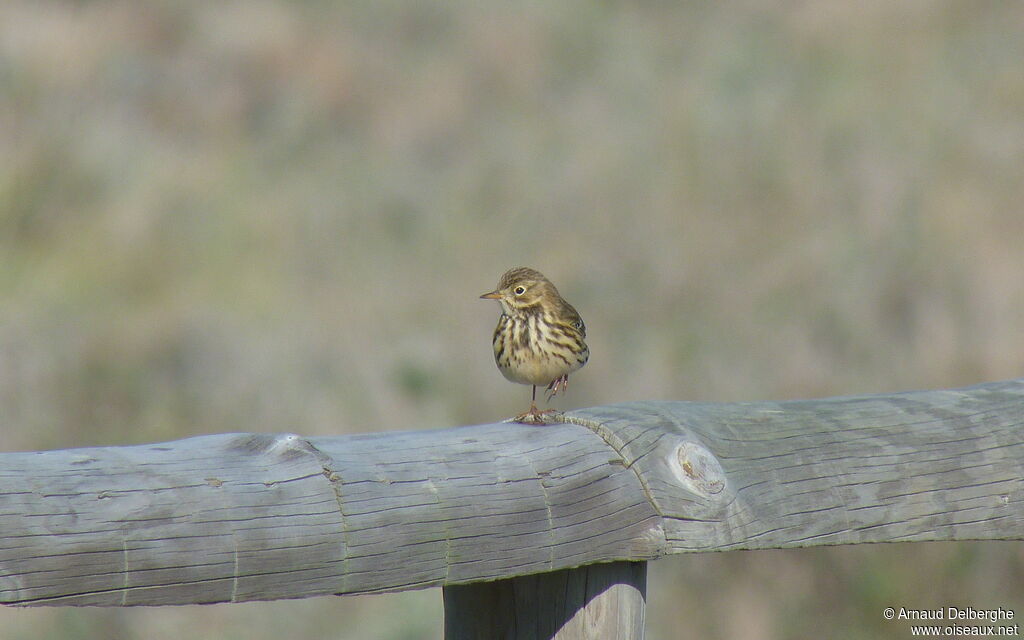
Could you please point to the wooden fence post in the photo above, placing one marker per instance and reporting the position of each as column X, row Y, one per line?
column 586, row 603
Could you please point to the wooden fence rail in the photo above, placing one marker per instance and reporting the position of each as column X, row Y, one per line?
column 239, row 517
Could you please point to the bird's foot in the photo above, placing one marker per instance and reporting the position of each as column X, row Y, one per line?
column 535, row 415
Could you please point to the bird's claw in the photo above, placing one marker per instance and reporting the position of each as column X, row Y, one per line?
column 535, row 415
column 560, row 383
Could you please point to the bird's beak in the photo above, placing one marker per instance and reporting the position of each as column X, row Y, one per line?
column 494, row 295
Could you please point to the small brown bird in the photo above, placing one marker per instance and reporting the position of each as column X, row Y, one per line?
column 539, row 339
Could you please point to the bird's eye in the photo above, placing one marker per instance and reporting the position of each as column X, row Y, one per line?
column 519, row 290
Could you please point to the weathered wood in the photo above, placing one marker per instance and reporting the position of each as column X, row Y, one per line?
column 595, row 601
column 238, row 517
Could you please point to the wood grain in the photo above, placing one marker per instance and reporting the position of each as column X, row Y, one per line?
column 238, row 517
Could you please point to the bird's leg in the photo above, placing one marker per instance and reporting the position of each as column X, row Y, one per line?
column 558, row 384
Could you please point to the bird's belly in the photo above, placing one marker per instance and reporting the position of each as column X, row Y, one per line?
column 538, row 371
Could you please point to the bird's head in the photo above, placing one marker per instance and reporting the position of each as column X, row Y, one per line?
column 522, row 289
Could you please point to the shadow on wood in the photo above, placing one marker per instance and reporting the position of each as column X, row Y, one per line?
column 595, row 601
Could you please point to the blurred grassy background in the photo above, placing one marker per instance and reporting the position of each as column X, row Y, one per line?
column 270, row 216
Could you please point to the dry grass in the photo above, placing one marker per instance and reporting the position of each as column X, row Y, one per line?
column 267, row 216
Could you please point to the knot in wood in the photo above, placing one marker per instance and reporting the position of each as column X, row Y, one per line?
column 697, row 469
column 286, row 445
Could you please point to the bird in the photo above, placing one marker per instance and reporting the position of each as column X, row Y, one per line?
column 540, row 338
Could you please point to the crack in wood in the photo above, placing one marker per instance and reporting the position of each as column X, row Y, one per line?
column 602, row 431
column 336, row 483
column 124, row 555
column 541, row 475
column 235, row 569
